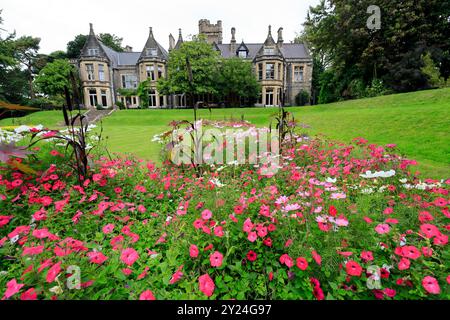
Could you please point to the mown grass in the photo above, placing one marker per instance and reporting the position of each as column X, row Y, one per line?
column 418, row 122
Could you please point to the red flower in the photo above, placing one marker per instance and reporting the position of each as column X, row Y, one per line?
column 267, row 242
column 302, row 264
column 332, row 211
column 367, row 256
column 429, row 230
column 410, row 252
column 53, row 272
column 147, row 295
column 251, row 255
column 30, row 294
column 353, row 268
column 129, row 256
column 238, row 209
column 431, row 285
column 206, row 285
column 96, row 257
column 216, row 259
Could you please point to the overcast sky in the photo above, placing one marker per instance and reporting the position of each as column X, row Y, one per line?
column 57, row 21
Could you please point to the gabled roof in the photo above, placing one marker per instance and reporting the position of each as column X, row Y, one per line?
column 269, row 43
column 93, row 43
column 226, row 52
column 180, row 40
column 242, row 47
column 151, row 43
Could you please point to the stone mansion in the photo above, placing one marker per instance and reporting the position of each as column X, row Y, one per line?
column 283, row 69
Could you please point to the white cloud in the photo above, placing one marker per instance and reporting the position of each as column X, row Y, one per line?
column 58, row 21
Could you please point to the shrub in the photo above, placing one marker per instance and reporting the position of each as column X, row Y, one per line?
column 302, row 98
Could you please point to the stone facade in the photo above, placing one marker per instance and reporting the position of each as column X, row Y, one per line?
column 109, row 77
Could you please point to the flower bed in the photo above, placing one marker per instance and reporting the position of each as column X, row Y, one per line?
column 336, row 222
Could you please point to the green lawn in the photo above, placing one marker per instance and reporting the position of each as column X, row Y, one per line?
column 419, row 123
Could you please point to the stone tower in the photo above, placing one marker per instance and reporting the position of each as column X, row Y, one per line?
column 213, row 32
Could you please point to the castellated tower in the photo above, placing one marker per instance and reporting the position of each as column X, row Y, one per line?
column 213, row 32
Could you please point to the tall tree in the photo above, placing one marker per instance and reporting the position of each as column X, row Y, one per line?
column 338, row 35
column 203, row 61
column 25, row 50
column 236, row 81
column 54, row 77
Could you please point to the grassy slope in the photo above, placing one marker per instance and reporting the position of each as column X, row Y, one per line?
column 419, row 123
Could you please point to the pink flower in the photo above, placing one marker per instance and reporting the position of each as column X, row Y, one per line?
column 12, row 287
column 317, row 257
column 32, row 251
column 404, row 264
column 252, row 236
column 53, row 272
column 353, row 268
column 287, row 260
column 431, row 285
column 129, row 256
column 248, row 225
column 206, row 214
column 147, row 295
column 410, row 252
column 382, row 228
column 367, row 256
column 427, row 252
column 176, row 276
column 302, row 264
column 4, row 220
column 216, row 259
column 96, row 257
column 218, row 231
column 193, row 251
column 440, row 240
column 206, row 285
column 108, row 228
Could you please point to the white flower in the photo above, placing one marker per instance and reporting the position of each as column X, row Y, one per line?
column 22, row 129
column 331, row 180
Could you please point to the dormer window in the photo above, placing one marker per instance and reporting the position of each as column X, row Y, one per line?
column 242, row 54
column 153, row 52
column 269, row 51
column 93, row 52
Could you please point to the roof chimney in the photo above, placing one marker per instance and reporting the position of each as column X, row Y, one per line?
column 171, row 42
column 233, row 40
column 280, row 37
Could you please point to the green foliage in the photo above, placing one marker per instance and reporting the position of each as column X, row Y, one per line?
column 302, row 98
column 127, row 92
column 338, row 37
column 236, row 80
column 432, row 72
column 143, row 92
column 74, row 47
column 204, row 63
column 54, row 77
